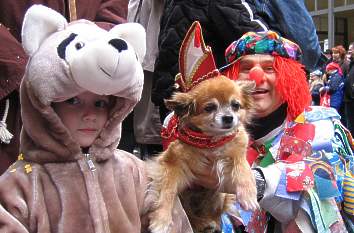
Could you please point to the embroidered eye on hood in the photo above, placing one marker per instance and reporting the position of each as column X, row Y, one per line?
column 67, row 59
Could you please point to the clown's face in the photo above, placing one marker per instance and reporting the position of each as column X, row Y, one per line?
column 84, row 116
column 259, row 67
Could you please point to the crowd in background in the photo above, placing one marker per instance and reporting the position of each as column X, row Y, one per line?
column 332, row 84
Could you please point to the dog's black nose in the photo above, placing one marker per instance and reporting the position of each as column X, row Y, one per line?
column 119, row 44
column 227, row 119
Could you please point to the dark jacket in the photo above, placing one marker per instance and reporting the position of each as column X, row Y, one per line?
column 335, row 87
column 288, row 18
column 13, row 59
column 222, row 21
column 349, row 84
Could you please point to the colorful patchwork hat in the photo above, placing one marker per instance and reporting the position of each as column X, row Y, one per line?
column 262, row 43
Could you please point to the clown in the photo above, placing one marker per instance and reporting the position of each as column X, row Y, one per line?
column 291, row 137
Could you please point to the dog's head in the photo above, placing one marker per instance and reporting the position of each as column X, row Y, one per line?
column 215, row 107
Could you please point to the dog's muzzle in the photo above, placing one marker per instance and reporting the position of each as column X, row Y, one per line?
column 227, row 121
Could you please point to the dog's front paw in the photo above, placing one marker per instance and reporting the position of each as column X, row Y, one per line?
column 246, row 195
column 160, row 222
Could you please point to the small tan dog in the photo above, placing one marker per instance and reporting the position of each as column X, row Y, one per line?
column 211, row 140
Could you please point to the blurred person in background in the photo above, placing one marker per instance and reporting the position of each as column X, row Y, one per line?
column 338, row 55
column 349, row 91
column 316, row 83
column 146, row 117
column 334, row 85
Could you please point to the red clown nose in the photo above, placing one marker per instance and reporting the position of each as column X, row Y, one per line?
column 257, row 75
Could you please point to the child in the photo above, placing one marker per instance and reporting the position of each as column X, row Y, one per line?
column 316, row 83
column 334, row 85
column 69, row 177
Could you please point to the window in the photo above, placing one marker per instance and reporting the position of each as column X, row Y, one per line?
column 339, row 3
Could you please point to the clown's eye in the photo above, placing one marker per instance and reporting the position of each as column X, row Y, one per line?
column 79, row 45
column 268, row 69
column 235, row 105
column 245, row 69
column 210, row 108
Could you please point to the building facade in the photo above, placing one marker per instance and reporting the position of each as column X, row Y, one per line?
column 334, row 20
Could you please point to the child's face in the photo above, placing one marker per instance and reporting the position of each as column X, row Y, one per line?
column 84, row 116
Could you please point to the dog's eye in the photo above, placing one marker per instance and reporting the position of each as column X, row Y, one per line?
column 79, row 45
column 210, row 108
column 235, row 105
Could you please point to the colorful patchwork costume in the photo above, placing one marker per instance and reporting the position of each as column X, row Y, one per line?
column 306, row 157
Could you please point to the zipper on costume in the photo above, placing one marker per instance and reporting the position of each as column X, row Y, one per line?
column 89, row 162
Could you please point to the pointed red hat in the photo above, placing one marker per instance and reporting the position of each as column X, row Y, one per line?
column 196, row 61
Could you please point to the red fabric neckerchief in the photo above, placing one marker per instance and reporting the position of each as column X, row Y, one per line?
column 191, row 137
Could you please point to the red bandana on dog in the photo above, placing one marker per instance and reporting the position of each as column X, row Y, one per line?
column 191, row 137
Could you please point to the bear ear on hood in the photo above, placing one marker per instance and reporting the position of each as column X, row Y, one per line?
column 134, row 34
column 39, row 23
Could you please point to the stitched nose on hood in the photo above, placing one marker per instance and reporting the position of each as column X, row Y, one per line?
column 119, row 44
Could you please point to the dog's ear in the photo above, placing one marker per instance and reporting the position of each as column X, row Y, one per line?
column 181, row 104
column 247, row 87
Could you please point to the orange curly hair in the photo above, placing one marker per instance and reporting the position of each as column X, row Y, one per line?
column 341, row 50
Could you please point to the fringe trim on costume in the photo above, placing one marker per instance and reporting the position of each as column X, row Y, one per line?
column 5, row 135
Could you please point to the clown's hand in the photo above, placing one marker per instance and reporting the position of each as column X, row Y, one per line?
column 267, row 180
column 209, row 179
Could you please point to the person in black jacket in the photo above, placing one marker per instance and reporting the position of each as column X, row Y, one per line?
column 349, row 92
column 222, row 21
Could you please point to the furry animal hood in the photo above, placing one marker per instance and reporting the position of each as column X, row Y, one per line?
column 67, row 59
